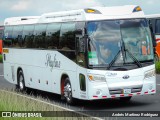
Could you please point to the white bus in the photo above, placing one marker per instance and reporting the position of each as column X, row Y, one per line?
column 154, row 20
column 87, row 54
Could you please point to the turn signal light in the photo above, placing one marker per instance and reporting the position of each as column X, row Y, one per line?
column 137, row 9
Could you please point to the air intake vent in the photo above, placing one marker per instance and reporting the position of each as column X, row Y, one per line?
column 24, row 19
column 120, row 90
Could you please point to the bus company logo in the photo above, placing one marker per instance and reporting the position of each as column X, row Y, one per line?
column 126, row 77
column 109, row 74
column 52, row 63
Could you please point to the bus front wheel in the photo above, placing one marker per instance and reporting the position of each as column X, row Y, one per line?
column 68, row 92
column 21, row 82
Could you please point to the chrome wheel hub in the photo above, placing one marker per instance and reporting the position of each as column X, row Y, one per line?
column 21, row 82
column 68, row 91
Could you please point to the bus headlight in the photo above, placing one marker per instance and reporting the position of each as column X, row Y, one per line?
column 149, row 74
column 97, row 78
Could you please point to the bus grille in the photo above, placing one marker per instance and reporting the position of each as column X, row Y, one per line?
column 120, row 90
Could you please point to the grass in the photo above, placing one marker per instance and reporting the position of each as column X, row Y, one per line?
column 1, row 58
column 13, row 102
column 158, row 67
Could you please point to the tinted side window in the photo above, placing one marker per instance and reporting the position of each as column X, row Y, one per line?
column 67, row 36
column 17, row 36
column 52, row 36
column 28, row 36
column 158, row 26
column 8, row 36
column 39, row 36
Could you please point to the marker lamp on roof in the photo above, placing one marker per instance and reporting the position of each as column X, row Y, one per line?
column 137, row 9
column 90, row 11
column 93, row 11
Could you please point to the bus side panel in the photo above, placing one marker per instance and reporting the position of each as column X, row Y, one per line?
column 9, row 69
column 34, row 77
column 9, row 73
column 42, row 69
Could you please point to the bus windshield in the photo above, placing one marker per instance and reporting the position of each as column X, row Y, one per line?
column 119, row 42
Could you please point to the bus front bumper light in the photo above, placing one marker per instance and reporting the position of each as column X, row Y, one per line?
column 97, row 78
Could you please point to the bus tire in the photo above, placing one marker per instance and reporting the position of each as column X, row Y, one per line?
column 125, row 99
column 68, row 92
column 21, row 81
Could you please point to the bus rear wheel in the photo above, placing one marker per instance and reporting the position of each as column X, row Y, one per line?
column 21, row 82
column 68, row 92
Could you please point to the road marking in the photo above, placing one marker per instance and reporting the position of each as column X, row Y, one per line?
column 1, row 75
column 96, row 118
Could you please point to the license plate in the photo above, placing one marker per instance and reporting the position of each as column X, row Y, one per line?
column 126, row 91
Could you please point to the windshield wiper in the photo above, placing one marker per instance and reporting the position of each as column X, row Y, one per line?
column 114, row 59
column 134, row 59
column 130, row 54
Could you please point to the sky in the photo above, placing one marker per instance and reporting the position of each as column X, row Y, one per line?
column 14, row 8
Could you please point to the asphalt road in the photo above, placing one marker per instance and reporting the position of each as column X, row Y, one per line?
column 138, row 103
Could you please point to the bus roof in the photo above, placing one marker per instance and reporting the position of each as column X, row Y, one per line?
column 21, row 20
column 88, row 14
column 153, row 16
